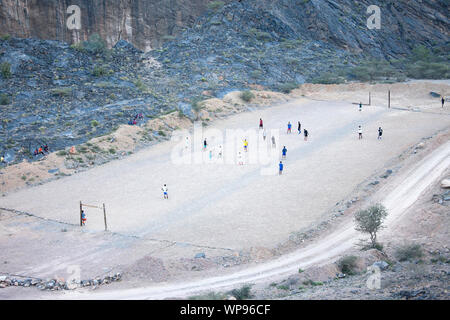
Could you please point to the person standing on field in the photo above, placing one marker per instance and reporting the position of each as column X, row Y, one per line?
column 165, row 191
column 306, row 135
column 360, row 133
column 380, row 133
column 240, row 159
column 83, row 218
column 261, row 124
column 289, row 128
column 443, row 102
column 264, row 134
column 284, row 152
column 274, row 145
column 281, row 168
column 299, row 128
column 360, row 106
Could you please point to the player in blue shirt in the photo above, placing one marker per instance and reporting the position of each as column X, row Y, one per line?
column 284, row 152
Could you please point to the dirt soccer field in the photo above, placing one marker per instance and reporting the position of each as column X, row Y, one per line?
column 231, row 206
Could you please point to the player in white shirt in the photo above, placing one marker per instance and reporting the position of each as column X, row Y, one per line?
column 165, row 191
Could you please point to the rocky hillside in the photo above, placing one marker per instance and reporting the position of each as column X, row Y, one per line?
column 61, row 94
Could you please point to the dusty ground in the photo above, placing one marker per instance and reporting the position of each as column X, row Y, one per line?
column 233, row 203
column 427, row 277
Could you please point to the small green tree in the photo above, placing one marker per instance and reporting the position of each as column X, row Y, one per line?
column 370, row 221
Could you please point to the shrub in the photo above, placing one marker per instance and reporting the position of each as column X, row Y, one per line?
column 312, row 283
column 209, row 296
column 95, row 44
column 197, row 104
column 4, row 99
column 283, row 287
column 260, row 35
column 99, row 71
column 371, row 70
column 428, row 70
column 61, row 91
column 288, row 87
column 5, row 37
column 370, row 221
column 168, row 38
column 328, row 78
column 247, row 96
column 347, row 265
column 95, row 123
column 256, row 74
column 78, row 47
column 181, row 114
column 291, row 44
column 409, row 252
column 421, row 53
column 215, row 5
column 140, row 85
column 5, row 69
column 242, row 293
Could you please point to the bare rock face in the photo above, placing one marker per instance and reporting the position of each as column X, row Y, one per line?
column 145, row 23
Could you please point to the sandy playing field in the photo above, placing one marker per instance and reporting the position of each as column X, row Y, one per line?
column 236, row 207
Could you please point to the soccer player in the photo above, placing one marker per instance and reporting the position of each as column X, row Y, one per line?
column 284, row 152
column 165, row 191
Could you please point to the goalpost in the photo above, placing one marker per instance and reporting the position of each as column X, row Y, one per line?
column 370, row 100
column 94, row 207
column 365, row 104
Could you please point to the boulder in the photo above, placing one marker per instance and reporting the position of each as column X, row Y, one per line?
column 435, row 94
column 383, row 265
column 445, row 183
